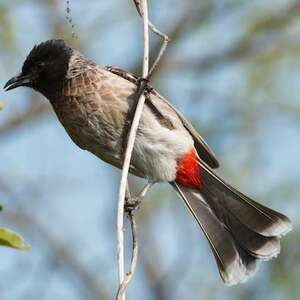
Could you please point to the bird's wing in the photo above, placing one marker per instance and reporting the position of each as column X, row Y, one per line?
column 203, row 150
column 154, row 101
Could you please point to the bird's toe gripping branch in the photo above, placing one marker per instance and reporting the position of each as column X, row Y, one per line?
column 133, row 203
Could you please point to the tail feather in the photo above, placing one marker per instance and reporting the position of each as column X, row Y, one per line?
column 257, row 245
column 234, row 263
column 257, row 217
column 240, row 231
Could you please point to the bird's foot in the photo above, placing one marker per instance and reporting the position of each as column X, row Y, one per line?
column 132, row 204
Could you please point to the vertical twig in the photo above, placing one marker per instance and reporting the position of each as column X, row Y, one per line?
column 134, row 257
column 128, row 152
column 142, row 9
column 153, row 28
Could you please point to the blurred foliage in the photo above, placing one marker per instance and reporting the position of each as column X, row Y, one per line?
column 6, row 30
column 11, row 239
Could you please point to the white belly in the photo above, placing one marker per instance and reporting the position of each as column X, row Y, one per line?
column 156, row 153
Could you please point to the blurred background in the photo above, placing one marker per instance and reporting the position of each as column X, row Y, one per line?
column 232, row 68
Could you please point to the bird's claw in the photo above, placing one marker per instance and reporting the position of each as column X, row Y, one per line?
column 132, row 204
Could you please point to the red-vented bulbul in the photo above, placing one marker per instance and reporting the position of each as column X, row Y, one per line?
column 93, row 103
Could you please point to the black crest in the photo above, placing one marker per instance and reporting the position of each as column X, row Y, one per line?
column 47, row 51
column 48, row 63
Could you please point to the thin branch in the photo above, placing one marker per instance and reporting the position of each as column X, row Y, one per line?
column 139, row 100
column 134, row 257
column 154, row 29
column 159, row 56
column 128, row 153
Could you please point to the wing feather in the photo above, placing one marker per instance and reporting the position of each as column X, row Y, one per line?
column 203, row 150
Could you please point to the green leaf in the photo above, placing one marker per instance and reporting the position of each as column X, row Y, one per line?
column 11, row 239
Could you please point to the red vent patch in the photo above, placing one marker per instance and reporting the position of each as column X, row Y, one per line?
column 188, row 171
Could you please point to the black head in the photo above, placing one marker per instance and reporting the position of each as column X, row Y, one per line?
column 44, row 68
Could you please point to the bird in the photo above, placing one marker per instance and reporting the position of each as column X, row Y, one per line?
column 94, row 103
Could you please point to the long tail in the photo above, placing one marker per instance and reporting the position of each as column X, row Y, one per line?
column 240, row 231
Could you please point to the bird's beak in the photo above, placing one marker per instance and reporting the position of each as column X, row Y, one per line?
column 20, row 80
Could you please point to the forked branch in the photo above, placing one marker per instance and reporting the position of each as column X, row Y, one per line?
column 142, row 8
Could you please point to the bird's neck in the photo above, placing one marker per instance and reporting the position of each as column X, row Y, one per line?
column 78, row 64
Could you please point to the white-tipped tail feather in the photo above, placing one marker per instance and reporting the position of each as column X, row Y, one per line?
column 240, row 231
